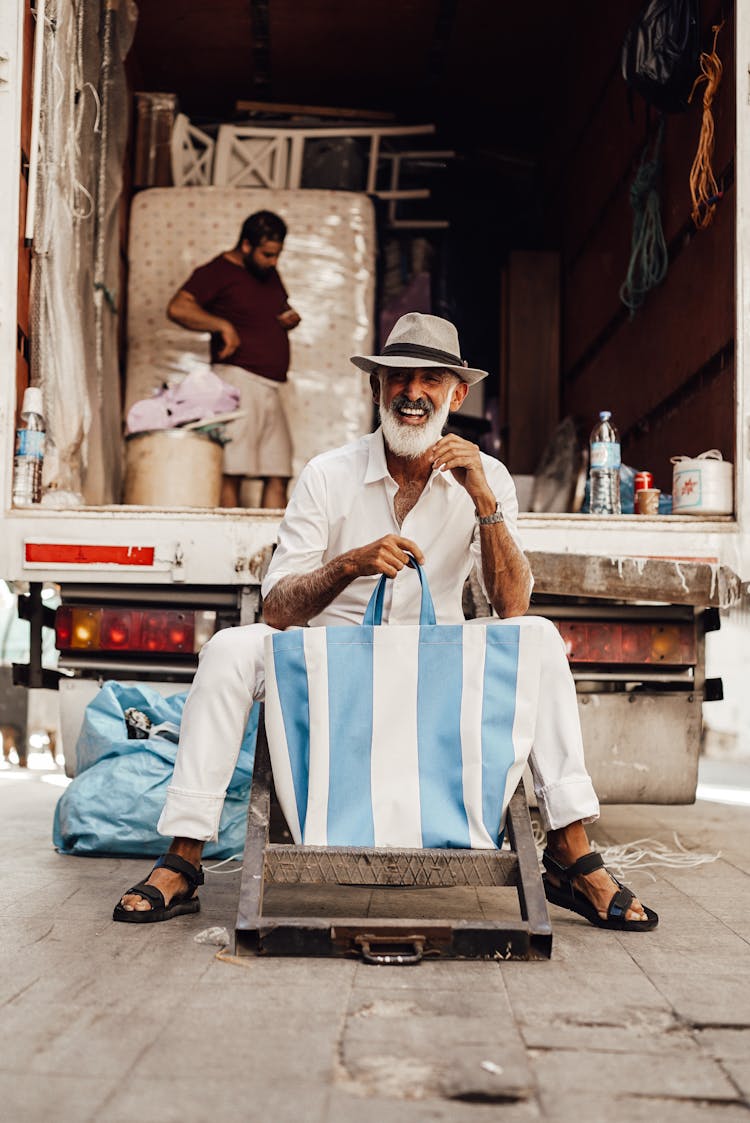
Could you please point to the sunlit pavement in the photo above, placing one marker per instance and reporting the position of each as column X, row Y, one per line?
column 117, row 1022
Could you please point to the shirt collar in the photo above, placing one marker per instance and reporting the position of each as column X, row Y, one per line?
column 377, row 466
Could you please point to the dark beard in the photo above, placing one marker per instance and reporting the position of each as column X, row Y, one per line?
column 255, row 270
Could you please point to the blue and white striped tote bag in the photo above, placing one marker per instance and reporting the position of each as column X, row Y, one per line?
column 400, row 735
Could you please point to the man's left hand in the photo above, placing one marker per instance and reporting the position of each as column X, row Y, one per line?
column 463, row 459
column 289, row 319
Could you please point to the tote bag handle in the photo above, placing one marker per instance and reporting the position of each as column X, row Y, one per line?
column 374, row 611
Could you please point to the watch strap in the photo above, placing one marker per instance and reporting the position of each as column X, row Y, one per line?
column 490, row 520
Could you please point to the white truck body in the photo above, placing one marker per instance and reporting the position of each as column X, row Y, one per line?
column 103, row 546
column 217, row 547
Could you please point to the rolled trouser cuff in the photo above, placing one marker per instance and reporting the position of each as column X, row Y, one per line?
column 568, row 801
column 191, row 815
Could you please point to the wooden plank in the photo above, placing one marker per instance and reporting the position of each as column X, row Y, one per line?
column 602, row 163
column 706, row 419
column 660, row 580
column 592, row 283
column 355, row 865
column 322, row 936
column 598, row 42
column 683, row 324
column 606, row 156
column 287, row 108
column 533, row 357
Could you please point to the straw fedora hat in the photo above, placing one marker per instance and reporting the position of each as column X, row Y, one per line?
column 418, row 340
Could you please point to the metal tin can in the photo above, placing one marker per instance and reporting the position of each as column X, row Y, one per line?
column 643, row 480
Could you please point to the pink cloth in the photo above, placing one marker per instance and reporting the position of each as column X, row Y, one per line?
column 200, row 395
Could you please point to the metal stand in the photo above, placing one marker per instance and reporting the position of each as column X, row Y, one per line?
column 391, row 941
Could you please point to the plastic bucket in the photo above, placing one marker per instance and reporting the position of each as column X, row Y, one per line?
column 172, row 468
column 702, row 485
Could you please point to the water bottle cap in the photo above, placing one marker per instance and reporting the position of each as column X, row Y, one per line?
column 32, row 401
column 605, row 415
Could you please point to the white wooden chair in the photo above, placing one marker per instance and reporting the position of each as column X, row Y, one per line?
column 192, row 154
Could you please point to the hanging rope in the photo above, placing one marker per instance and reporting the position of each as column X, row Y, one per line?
column 648, row 250
column 704, row 189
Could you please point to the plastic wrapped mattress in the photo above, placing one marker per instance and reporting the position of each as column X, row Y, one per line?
column 327, row 267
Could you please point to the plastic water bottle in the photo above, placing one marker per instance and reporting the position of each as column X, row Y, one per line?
column 604, row 473
column 29, row 457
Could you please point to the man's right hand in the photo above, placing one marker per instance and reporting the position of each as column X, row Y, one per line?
column 296, row 599
column 388, row 555
column 231, row 340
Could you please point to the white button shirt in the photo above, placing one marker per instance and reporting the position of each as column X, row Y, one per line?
column 344, row 499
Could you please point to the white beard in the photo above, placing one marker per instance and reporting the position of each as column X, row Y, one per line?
column 409, row 441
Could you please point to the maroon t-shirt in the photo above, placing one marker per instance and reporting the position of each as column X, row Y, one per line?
column 251, row 306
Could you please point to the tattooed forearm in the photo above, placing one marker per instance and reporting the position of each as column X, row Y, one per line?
column 296, row 599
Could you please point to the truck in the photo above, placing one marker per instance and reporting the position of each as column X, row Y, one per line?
column 492, row 170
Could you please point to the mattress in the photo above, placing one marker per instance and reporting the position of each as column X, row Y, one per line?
column 328, row 269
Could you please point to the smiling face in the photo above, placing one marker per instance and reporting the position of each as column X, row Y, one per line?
column 414, row 406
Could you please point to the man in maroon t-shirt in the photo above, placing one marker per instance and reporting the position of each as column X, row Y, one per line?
column 240, row 299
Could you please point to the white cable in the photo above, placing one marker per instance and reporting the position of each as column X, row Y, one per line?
column 643, row 853
column 98, row 100
column 77, row 211
column 215, row 867
column 649, row 853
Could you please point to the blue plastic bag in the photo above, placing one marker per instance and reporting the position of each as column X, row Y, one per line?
column 113, row 804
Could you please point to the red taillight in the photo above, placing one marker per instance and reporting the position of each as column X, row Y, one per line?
column 154, row 631
column 593, row 641
column 130, row 629
column 636, row 643
column 167, row 631
column 118, row 630
column 63, row 628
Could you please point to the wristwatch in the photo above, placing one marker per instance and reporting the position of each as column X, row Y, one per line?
column 490, row 520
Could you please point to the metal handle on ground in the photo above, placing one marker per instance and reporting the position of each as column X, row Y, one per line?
column 391, row 958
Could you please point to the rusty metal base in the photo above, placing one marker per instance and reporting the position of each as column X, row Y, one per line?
column 401, row 941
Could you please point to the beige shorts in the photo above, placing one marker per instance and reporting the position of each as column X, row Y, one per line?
column 260, row 444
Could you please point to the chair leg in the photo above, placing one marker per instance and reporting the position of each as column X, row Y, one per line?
column 250, row 908
column 531, row 898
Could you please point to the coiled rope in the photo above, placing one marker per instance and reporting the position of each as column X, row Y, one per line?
column 704, row 189
column 648, row 250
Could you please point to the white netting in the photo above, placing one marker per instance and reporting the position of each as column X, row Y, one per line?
column 76, row 244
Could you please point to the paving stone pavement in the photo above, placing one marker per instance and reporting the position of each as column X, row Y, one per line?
column 101, row 1021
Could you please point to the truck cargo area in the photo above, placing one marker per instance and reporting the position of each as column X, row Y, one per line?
column 524, row 239
column 468, row 158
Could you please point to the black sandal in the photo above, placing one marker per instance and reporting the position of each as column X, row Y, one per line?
column 567, row 897
column 180, row 904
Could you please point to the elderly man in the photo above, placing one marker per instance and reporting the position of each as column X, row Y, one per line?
column 358, row 512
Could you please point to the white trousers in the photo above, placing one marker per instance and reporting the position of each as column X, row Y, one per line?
column 231, row 676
